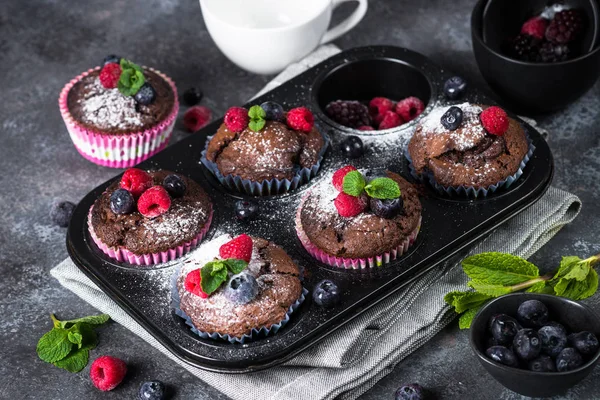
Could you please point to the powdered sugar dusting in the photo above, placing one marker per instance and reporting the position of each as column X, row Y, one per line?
column 108, row 108
column 176, row 225
column 467, row 136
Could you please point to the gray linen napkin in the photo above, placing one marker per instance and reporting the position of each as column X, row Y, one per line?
column 354, row 358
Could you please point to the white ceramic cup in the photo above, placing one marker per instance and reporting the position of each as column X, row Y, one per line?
column 265, row 36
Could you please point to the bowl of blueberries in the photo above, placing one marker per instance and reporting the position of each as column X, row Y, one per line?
column 535, row 344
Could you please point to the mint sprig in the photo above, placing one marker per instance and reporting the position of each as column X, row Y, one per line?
column 257, row 118
column 383, row 188
column 215, row 273
column 67, row 345
column 353, row 183
column 131, row 79
column 496, row 274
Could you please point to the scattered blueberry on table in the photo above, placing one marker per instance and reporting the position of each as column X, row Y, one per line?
column 326, row 293
column 61, row 213
column 245, row 209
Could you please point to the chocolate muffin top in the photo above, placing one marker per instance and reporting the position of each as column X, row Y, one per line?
column 109, row 111
column 274, row 152
column 363, row 236
column 279, row 287
column 183, row 221
column 467, row 156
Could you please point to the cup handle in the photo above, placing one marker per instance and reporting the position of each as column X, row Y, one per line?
column 346, row 24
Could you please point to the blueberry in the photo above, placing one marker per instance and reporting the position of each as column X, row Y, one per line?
column 152, row 390
column 121, row 201
column 241, row 288
column 568, row 359
column 192, row 96
column 527, row 344
column 111, row 58
column 146, row 95
column 532, row 314
column 502, row 355
column 452, row 118
column 557, row 326
column 326, row 293
column 554, row 340
column 352, row 147
column 414, row 391
column 388, row 208
column 585, row 342
column 455, row 87
column 245, row 210
column 543, row 363
column 504, row 329
column 174, row 185
column 273, row 110
column 61, row 213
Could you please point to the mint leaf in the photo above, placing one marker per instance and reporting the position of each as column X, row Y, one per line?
column 256, row 125
column 383, row 188
column 353, row 184
column 75, row 337
column 131, row 79
column 499, row 269
column 575, row 289
column 235, row 266
column 89, row 336
column 75, row 361
column 54, row 345
column 465, row 320
column 573, row 267
column 257, row 112
column 489, row 289
column 540, row 287
column 92, row 319
column 462, row 301
column 213, row 275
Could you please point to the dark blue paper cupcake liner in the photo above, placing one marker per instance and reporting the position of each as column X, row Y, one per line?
column 255, row 333
column 266, row 187
column 470, row 191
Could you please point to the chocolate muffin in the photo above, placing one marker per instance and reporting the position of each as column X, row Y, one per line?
column 274, row 152
column 327, row 235
column 133, row 236
column 279, row 287
column 468, row 156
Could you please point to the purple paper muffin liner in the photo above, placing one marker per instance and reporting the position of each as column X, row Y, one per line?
column 255, row 333
column 470, row 191
column 266, row 187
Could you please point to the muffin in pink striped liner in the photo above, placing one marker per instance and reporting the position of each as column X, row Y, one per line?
column 359, row 223
column 148, row 218
column 120, row 114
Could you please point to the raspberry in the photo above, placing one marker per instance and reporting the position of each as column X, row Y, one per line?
column 109, row 75
column 107, row 372
column 196, row 118
column 154, row 202
column 236, row 119
column 135, row 181
column 409, row 108
column 349, row 206
column 366, row 128
column 348, row 113
column 390, row 120
column 338, row 176
column 565, row 27
column 300, row 119
column 494, row 120
column 551, row 52
column 192, row 283
column 378, row 107
column 535, row 27
column 239, row 248
column 525, row 48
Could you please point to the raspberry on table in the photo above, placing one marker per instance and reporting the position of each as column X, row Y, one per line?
column 196, row 118
column 107, row 372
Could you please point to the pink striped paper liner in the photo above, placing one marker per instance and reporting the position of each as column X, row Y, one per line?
column 354, row 263
column 121, row 254
column 122, row 150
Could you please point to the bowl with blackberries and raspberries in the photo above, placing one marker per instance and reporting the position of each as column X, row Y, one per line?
column 535, row 344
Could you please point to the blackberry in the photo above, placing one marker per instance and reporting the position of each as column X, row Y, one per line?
column 525, row 48
column 565, row 27
column 348, row 113
column 551, row 52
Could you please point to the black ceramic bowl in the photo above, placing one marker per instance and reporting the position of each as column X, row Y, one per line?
column 527, row 86
column 574, row 316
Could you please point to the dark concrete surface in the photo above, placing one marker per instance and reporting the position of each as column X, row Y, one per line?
column 43, row 44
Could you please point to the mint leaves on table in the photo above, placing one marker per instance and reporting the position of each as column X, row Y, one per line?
column 379, row 188
column 214, row 273
column 496, row 274
column 257, row 118
column 68, row 344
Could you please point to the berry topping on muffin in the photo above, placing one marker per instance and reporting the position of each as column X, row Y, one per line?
column 300, row 119
column 236, row 119
column 239, row 248
column 494, row 120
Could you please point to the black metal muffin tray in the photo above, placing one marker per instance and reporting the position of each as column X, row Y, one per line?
column 448, row 225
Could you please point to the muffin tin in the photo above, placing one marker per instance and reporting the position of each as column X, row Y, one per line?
column 448, row 225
